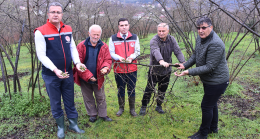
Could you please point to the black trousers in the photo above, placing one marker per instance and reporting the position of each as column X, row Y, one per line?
column 163, row 82
column 209, row 106
column 126, row 79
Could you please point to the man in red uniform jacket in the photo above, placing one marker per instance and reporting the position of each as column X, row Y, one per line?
column 124, row 47
column 56, row 49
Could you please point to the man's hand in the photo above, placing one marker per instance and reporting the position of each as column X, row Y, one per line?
column 163, row 63
column 186, row 72
column 93, row 79
column 181, row 66
column 81, row 67
column 121, row 59
column 129, row 60
column 104, row 70
column 60, row 74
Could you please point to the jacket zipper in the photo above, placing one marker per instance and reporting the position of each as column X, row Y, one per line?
column 63, row 49
column 128, row 46
column 125, row 54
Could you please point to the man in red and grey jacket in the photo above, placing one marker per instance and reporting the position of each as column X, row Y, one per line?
column 95, row 54
column 56, row 49
column 124, row 47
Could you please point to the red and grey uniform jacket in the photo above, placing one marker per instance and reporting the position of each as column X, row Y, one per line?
column 124, row 48
column 103, row 60
column 57, row 46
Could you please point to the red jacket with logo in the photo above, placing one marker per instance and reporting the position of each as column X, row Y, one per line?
column 103, row 60
column 57, row 46
column 124, row 48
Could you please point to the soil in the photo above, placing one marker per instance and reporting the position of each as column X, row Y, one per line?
column 243, row 107
column 19, row 75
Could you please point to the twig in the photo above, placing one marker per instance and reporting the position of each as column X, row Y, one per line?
column 236, row 19
column 171, row 65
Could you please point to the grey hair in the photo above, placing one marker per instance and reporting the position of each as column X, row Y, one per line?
column 95, row 25
column 163, row 25
column 55, row 4
column 202, row 20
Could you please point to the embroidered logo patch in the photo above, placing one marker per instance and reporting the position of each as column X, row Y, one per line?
column 67, row 39
column 132, row 44
column 51, row 38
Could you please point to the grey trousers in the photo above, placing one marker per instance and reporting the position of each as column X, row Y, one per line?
column 97, row 105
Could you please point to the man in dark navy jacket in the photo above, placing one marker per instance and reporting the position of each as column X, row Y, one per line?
column 56, row 49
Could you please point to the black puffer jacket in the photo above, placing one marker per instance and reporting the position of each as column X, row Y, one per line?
column 209, row 57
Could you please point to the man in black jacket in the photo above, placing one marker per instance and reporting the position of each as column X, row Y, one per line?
column 211, row 66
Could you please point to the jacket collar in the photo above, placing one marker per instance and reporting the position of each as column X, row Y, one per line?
column 207, row 38
column 128, row 36
column 52, row 26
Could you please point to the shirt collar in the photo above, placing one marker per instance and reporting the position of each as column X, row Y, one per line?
column 123, row 34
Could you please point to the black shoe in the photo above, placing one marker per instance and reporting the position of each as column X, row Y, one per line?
column 213, row 131
column 199, row 136
column 106, row 119
column 93, row 119
column 142, row 111
column 197, row 133
column 159, row 109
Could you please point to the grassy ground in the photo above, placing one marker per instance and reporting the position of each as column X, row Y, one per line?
column 20, row 119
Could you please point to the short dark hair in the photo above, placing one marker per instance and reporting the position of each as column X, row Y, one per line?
column 203, row 20
column 122, row 19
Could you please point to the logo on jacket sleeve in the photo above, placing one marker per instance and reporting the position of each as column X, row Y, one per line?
column 67, row 38
column 132, row 44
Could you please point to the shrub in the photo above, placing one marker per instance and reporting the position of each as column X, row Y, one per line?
column 22, row 105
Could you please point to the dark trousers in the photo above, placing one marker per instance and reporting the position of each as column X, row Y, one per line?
column 56, row 88
column 123, row 79
column 209, row 107
column 163, row 82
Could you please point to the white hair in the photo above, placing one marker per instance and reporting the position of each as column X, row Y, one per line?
column 55, row 4
column 93, row 26
column 163, row 25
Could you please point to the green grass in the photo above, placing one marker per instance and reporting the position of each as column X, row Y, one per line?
column 20, row 117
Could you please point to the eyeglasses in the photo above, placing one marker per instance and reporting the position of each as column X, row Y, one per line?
column 203, row 28
column 53, row 12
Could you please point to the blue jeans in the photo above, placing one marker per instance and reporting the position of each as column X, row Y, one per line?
column 56, row 88
column 209, row 106
column 123, row 79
